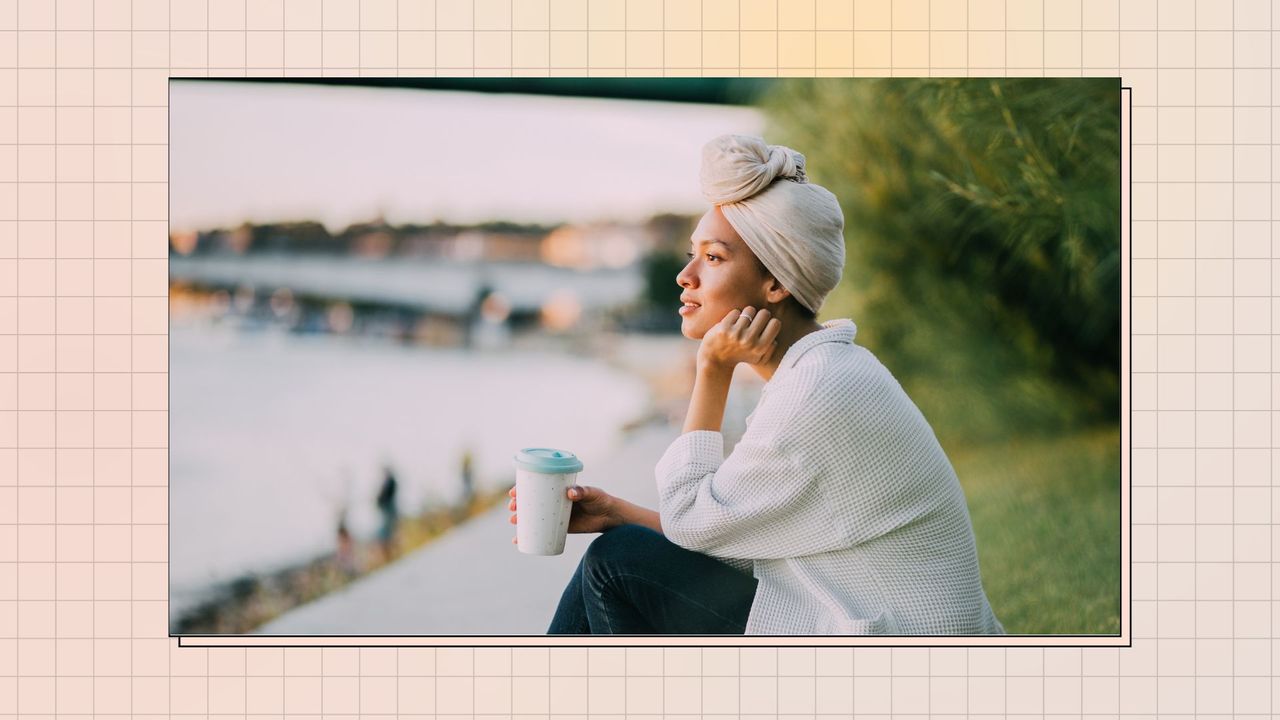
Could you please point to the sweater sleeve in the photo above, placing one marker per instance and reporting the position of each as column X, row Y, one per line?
column 766, row 500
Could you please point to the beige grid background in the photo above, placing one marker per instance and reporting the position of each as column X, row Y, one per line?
column 83, row 356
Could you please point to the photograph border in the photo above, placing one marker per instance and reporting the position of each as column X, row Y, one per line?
column 1123, row 639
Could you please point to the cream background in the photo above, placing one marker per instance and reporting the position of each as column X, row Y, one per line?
column 83, row 353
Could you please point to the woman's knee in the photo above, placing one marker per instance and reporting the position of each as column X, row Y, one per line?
column 620, row 547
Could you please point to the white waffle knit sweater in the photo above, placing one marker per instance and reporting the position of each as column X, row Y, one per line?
column 838, row 498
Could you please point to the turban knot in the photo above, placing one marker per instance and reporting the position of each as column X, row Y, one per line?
column 795, row 227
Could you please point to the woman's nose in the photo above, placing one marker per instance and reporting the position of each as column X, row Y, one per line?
column 684, row 278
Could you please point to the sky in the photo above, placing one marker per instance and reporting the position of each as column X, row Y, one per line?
column 277, row 152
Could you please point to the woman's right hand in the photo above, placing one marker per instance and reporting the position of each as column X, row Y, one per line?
column 592, row 512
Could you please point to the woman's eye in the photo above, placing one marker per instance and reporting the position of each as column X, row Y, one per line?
column 709, row 256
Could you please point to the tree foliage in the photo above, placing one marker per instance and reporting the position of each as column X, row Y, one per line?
column 983, row 235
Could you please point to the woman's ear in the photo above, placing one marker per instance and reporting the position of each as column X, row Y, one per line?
column 774, row 292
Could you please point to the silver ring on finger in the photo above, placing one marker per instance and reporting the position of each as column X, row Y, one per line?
column 748, row 317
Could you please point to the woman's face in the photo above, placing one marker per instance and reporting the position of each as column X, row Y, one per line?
column 722, row 274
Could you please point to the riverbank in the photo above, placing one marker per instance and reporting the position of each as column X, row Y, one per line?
column 236, row 601
column 239, row 606
column 472, row 580
column 277, row 439
column 448, row 542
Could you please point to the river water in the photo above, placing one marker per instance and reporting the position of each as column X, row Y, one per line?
column 272, row 435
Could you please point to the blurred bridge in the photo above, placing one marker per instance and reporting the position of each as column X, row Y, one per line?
column 434, row 286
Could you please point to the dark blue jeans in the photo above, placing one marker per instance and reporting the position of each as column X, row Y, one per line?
column 633, row 580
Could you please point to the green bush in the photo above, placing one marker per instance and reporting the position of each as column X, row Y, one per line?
column 983, row 235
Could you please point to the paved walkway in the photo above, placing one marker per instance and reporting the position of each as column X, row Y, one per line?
column 473, row 581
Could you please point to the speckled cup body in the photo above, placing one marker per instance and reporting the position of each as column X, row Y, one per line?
column 542, row 511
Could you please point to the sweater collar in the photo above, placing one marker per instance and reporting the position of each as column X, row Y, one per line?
column 839, row 330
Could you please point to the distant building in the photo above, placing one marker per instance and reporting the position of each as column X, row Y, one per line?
column 600, row 245
column 603, row 245
column 240, row 240
column 424, row 244
column 477, row 245
column 374, row 239
column 184, row 243
column 375, row 244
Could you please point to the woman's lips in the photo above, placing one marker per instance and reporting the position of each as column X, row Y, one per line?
column 686, row 309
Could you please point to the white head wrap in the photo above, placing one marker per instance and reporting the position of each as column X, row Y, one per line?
column 796, row 228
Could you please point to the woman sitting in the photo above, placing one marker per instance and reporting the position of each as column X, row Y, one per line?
column 838, row 511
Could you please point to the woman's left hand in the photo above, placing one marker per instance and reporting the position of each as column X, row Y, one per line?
column 742, row 336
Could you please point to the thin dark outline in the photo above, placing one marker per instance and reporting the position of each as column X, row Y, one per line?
column 1126, row 621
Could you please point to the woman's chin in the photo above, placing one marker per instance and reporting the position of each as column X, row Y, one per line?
column 691, row 331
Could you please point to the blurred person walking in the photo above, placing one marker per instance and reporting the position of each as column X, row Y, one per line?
column 388, row 509
column 345, row 557
column 468, row 477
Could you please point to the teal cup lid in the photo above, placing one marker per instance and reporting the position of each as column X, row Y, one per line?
column 548, row 460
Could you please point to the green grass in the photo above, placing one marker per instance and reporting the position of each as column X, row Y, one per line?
column 1046, row 513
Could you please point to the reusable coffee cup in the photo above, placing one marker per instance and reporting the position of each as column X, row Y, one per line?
column 543, row 479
